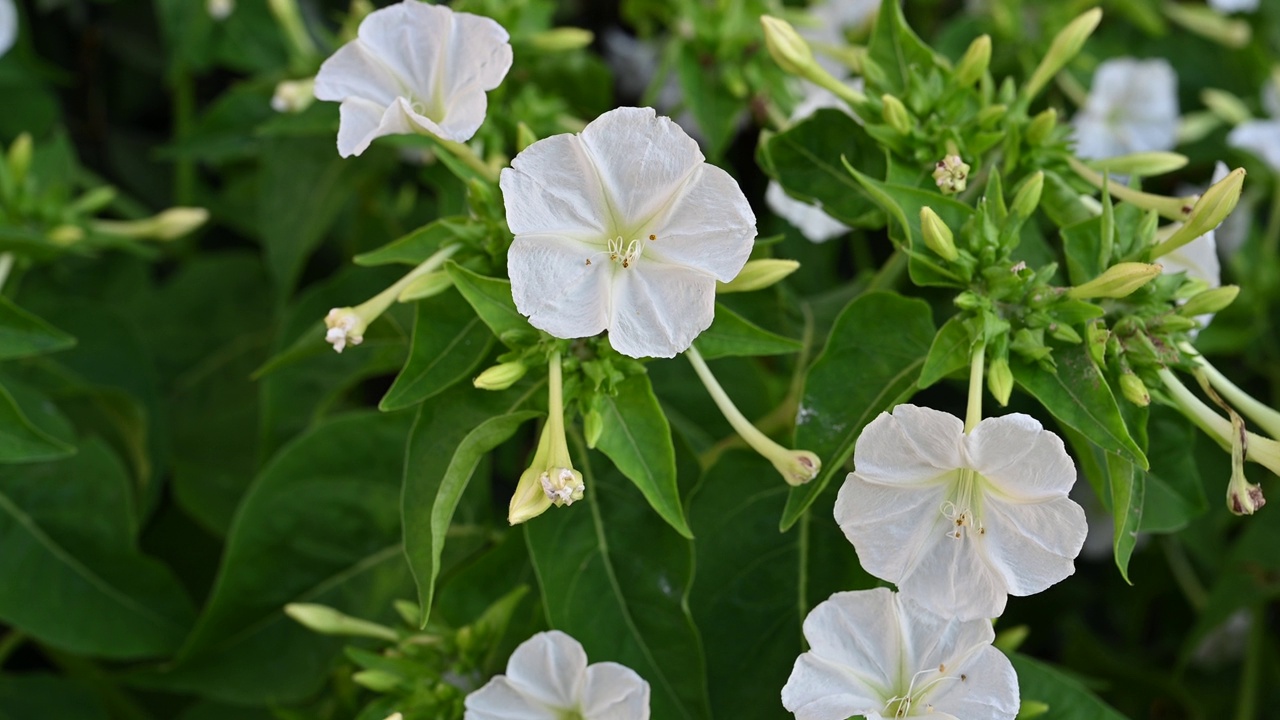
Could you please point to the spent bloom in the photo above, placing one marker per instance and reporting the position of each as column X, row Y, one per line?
column 414, row 68
column 877, row 654
column 1132, row 107
column 548, row 679
column 960, row 521
column 623, row 227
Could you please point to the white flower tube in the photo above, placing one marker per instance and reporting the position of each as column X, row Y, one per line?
column 623, row 228
column 1132, row 107
column 961, row 521
column 414, row 68
column 548, row 679
column 877, row 654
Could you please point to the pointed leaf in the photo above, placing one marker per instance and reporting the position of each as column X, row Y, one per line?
column 950, row 352
column 896, row 50
column 1066, row 697
column 449, row 341
column 24, row 335
column 491, row 298
column 731, row 334
column 20, row 440
column 806, row 161
column 417, row 246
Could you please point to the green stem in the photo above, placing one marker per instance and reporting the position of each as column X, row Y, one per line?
column 1266, row 418
column 756, row 439
column 1171, row 208
column 1183, row 573
column 184, row 108
column 468, row 156
column 1259, row 449
column 973, row 414
column 1247, row 698
column 887, row 276
column 1271, row 241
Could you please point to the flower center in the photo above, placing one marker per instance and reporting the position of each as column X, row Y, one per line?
column 963, row 507
column 901, row 706
column 623, row 252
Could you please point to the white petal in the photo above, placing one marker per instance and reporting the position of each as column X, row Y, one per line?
column 1260, row 137
column 1095, row 139
column 552, row 187
column 819, row 689
column 658, row 309
column 355, row 72
column 708, row 226
column 891, row 527
column 1132, row 107
column 1033, row 545
column 614, row 692
column 8, row 25
column 912, row 445
column 989, row 690
column 1231, row 6
column 362, row 121
column 954, row 578
column 856, row 651
column 642, row 161
column 1020, row 458
column 808, row 218
column 549, row 667
column 500, row 700
column 553, row 285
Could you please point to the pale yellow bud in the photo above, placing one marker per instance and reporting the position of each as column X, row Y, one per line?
column 757, row 275
column 64, row 235
column 168, row 225
column 501, row 376
column 1226, row 106
column 328, row 621
column 1066, row 45
column 1134, row 390
column 1041, row 126
column 1210, row 301
column 562, row 39
column 1027, row 198
column 1208, row 212
column 1119, row 280
column 785, row 45
column 1209, row 23
column 895, row 114
column 19, row 158
column 1147, row 164
column 937, row 236
column 1000, row 380
column 974, row 62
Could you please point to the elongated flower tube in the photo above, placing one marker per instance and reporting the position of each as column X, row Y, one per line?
column 1259, row 449
column 878, row 654
column 797, row 467
column 550, row 478
column 624, row 228
column 345, row 326
column 960, row 521
column 414, row 68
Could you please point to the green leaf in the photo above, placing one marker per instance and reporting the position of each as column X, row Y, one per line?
column 731, row 334
column 37, row 695
column 449, row 341
column 1066, row 697
column 951, row 351
column 1081, row 244
column 320, row 524
column 886, row 337
column 708, row 98
column 23, row 442
column 1127, row 489
column 448, row 440
column 1174, row 491
column 417, row 246
column 74, row 576
column 25, row 335
column 806, row 161
column 1079, row 396
column 492, row 301
column 615, row 576
column 637, row 438
column 895, row 50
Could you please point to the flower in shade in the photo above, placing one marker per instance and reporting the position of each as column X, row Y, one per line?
column 548, row 679
column 623, row 227
column 1132, row 107
column 414, row 68
column 879, row 655
column 1261, row 137
column 8, row 25
column 960, row 521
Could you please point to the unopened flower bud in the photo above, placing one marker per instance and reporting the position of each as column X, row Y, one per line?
column 424, row 286
column 93, row 201
column 562, row 39
column 220, row 9
column 1196, row 126
column 1210, row 301
column 937, row 236
column 951, row 174
column 328, row 621
column 501, row 376
column 64, row 235
column 990, row 115
column 592, row 427
column 524, row 136
column 758, row 274
column 1027, row 198
column 1208, row 212
column 294, row 96
column 1171, row 323
column 1134, row 390
column 1229, row 108
column 1143, row 163
column 344, row 326
column 1065, row 46
column 1243, row 497
column 788, row 49
column 1032, row 709
column 1119, row 280
column 1065, row 333
column 1000, row 380
column 377, row 680
column 168, row 225
column 529, row 500
column 895, row 114
column 19, row 158
column 1041, row 126
column 1210, row 24
column 1246, row 499
column 974, row 62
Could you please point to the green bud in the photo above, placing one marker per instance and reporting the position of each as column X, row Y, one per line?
column 501, row 376
column 1000, row 380
column 1096, row 336
column 1041, row 126
column 64, row 235
column 895, row 114
column 1119, row 280
column 1065, row 46
column 168, row 225
column 1134, row 390
column 1065, row 333
column 1196, row 126
column 409, row 612
column 561, row 39
column 1191, row 287
column 592, row 427
column 377, row 680
column 1171, row 323
column 1226, row 106
column 1032, row 709
column 1210, row 24
column 785, row 45
column 20, row 158
column 425, row 286
column 524, row 136
column 974, row 62
column 1027, row 198
column 327, row 621
column 1210, row 301
column 1144, row 163
column 757, row 275
column 969, row 300
column 1147, row 228
column 937, row 236
column 93, row 201
column 1030, row 344
column 1208, row 212
column 991, row 115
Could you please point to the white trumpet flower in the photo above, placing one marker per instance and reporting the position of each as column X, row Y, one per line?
column 1132, row 107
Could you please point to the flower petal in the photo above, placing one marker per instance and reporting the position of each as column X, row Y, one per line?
column 708, row 225
column 809, row 219
column 355, row 72
column 1260, row 137
column 642, row 159
column 500, row 700
column 1034, row 545
column 615, row 692
column 819, row 689
column 553, row 285
column 658, row 309
column 891, row 527
column 550, row 668
column 912, row 445
column 953, row 577
column 8, row 25
column 552, row 187
column 989, row 690
column 1020, row 458
column 362, row 121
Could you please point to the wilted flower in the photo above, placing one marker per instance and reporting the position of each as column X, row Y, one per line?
column 877, row 654
column 623, row 227
column 415, row 68
column 1132, row 107
column 960, row 521
column 548, row 679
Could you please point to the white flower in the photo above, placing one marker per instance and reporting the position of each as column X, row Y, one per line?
column 548, row 679
column 830, row 20
column 220, row 10
column 293, row 96
column 960, row 521
column 1261, row 137
column 809, row 218
column 1231, row 6
column 415, row 68
column 878, row 654
column 8, row 25
column 1132, row 107
column 623, row 227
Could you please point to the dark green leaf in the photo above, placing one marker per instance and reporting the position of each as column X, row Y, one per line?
column 20, row 440
column 1066, row 697
column 1081, row 244
column 24, row 335
column 28, row 696
column 713, row 106
column 886, row 337
column 492, row 301
column 449, row 341
column 806, row 160
column 1174, row 491
column 731, row 334
column 896, row 50
column 417, row 246
column 951, row 351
